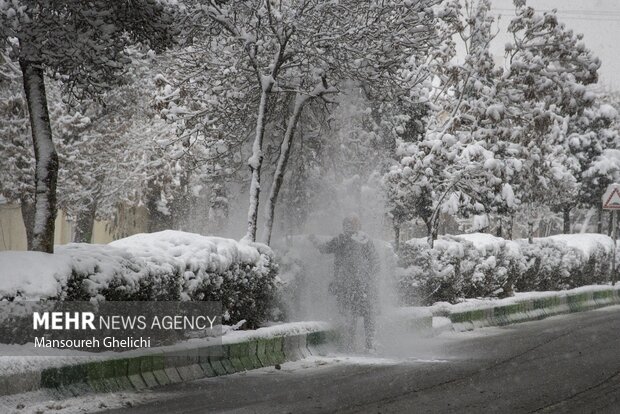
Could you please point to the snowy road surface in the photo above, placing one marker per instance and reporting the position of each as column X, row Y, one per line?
column 563, row 364
column 567, row 363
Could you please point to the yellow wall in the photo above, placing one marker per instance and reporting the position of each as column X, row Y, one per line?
column 13, row 233
column 12, row 230
column 62, row 230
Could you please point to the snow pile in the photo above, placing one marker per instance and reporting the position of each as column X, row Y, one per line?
column 481, row 265
column 168, row 265
column 283, row 329
column 32, row 274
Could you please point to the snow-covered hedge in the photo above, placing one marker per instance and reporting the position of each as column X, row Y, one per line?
column 566, row 261
column 458, row 267
column 481, row 265
column 168, row 265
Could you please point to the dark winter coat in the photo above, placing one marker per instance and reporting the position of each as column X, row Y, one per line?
column 356, row 266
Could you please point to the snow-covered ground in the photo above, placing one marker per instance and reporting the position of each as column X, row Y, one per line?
column 40, row 402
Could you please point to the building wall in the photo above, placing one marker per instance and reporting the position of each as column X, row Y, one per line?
column 12, row 230
column 13, row 233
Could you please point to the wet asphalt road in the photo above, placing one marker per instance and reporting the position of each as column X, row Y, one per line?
column 563, row 364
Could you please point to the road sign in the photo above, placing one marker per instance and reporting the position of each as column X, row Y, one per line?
column 611, row 198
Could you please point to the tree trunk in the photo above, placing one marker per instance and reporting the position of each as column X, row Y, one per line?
column 510, row 227
column 46, row 169
column 432, row 228
column 429, row 232
column 217, row 218
column 255, row 163
column 180, row 209
column 84, row 224
column 566, row 220
column 27, row 208
column 499, row 231
column 278, row 175
column 396, row 237
column 157, row 220
column 599, row 221
column 530, row 230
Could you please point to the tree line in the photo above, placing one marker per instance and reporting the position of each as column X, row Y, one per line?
column 183, row 106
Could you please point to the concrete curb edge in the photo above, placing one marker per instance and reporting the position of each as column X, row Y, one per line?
column 533, row 309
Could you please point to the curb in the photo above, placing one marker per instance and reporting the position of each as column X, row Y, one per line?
column 533, row 309
column 164, row 368
column 159, row 368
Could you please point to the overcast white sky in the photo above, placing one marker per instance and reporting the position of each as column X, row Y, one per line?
column 598, row 20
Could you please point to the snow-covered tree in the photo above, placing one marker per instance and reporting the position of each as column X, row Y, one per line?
column 497, row 138
column 92, row 139
column 16, row 155
column 455, row 167
column 81, row 155
column 305, row 176
column 594, row 141
column 544, row 84
column 244, row 53
column 83, row 43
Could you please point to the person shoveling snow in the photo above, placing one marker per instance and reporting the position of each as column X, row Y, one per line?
column 356, row 266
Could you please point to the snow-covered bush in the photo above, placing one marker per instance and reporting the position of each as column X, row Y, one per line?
column 165, row 266
column 240, row 275
column 595, row 251
column 566, row 261
column 477, row 265
column 429, row 275
column 33, row 275
column 106, row 273
column 549, row 266
column 458, row 267
column 497, row 265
